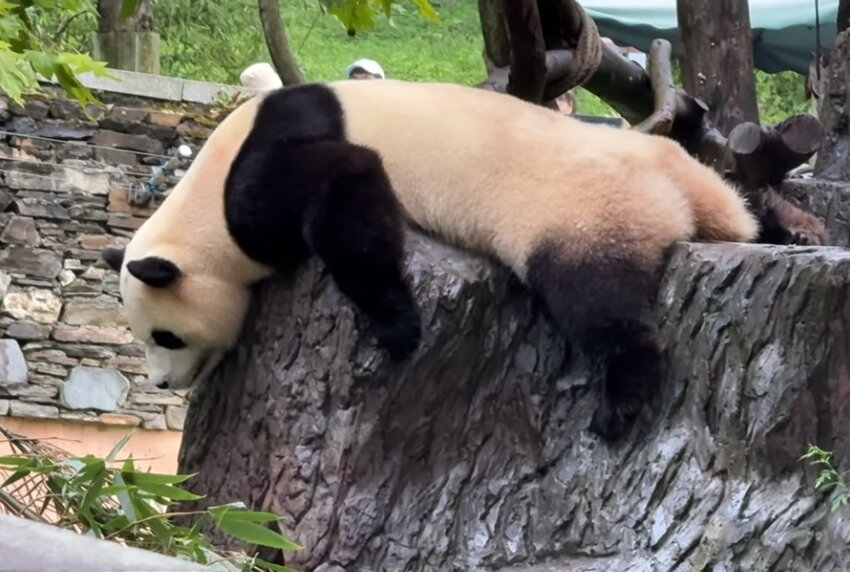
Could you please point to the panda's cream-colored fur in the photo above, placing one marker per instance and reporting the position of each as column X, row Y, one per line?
column 496, row 174
column 481, row 170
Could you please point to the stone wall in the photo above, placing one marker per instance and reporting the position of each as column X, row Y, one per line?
column 65, row 349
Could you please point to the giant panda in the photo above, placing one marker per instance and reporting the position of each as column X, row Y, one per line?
column 583, row 214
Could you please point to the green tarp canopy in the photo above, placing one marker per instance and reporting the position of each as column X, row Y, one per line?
column 783, row 30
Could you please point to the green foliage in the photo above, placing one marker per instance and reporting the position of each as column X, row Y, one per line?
column 26, row 50
column 828, row 478
column 113, row 500
column 214, row 41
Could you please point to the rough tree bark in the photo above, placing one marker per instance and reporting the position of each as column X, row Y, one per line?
column 475, row 455
column 277, row 42
column 717, row 59
column 833, row 160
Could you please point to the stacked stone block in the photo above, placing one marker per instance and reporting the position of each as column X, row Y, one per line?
column 65, row 349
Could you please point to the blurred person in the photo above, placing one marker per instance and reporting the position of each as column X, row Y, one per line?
column 260, row 76
column 365, row 69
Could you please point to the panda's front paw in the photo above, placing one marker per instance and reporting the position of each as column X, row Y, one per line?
column 401, row 336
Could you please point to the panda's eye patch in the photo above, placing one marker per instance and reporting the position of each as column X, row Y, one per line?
column 167, row 340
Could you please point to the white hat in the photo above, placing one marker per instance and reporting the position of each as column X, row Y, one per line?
column 369, row 66
column 260, row 76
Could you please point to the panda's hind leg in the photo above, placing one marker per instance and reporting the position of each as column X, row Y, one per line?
column 355, row 225
column 604, row 301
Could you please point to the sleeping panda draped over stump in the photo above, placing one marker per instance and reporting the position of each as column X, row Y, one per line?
column 583, row 214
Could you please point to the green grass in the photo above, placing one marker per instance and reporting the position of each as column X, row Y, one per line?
column 407, row 46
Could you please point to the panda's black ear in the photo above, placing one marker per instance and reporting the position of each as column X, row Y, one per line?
column 114, row 257
column 154, row 271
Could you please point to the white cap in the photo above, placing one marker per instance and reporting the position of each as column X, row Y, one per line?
column 367, row 65
column 260, row 76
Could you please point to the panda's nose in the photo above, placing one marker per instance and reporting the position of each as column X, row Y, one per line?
column 163, row 384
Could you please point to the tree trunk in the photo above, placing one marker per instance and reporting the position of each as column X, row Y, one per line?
column 833, row 160
column 497, row 46
column 717, row 59
column 127, row 43
column 475, row 455
column 278, row 43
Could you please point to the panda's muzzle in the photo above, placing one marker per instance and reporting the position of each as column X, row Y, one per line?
column 193, row 376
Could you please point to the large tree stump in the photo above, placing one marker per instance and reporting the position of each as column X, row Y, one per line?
column 475, row 455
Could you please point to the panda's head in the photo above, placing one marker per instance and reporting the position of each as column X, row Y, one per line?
column 186, row 317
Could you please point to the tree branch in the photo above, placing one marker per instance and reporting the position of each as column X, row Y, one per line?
column 278, row 43
column 661, row 79
column 528, row 52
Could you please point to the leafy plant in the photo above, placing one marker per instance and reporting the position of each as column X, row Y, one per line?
column 828, row 478
column 111, row 499
column 27, row 50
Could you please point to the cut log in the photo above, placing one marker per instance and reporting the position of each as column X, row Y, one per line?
column 475, row 455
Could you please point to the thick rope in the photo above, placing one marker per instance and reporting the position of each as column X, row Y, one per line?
column 588, row 51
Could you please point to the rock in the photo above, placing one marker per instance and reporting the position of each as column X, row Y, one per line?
column 33, row 393
column 93, row 273
column 86, row 351
column 100, row 311
column 130, row 222
column 175, row 417
column 21, row 180
column 128, row 364
column 122, row 419
column 94, row 388
column 52, row 356
column 13, row 366
column 93, row 335
column 73, row 264
column 21, row 230
column 63, row 130
column 42, row 306
column 5, row 199
column 28, row 331
column 90, row 181
column 22, row 125
column 40, row 208
column 24, row 409
column 156, row 399
column 126, row 115
column 156, row 422
column 31, row 261
column 5, row 281
column 4, row 406
column 51, row 369
column 36, row 109
column 193, row 129
column 81, row 288
column 66, row 277
column 159, row 132
column 100, row 241
column 116, row 156
column 116, row 140
column 165, row 118
column 65, row 109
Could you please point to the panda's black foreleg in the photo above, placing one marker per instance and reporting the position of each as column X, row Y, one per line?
column 355, row 226
column 605, row 303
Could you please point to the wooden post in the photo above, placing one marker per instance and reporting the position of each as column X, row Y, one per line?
column 126, row 43
column 717, row 59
